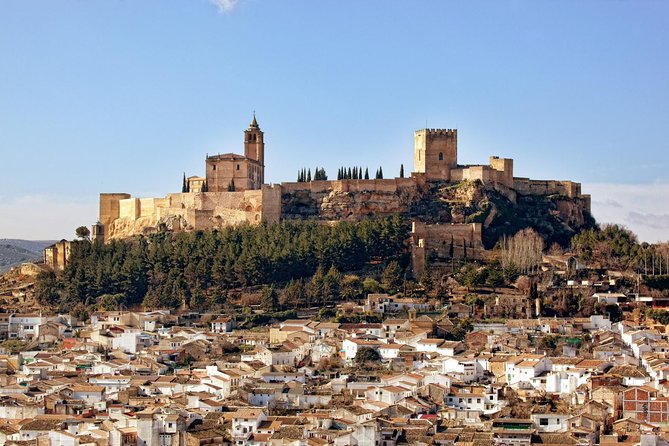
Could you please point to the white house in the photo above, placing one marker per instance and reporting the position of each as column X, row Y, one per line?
column 463, row 369
column 521, row 369
column 550, row 421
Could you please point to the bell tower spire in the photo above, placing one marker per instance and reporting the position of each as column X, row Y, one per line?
column 254, row 149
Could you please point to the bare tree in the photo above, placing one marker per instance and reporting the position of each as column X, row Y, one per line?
column 523, row 251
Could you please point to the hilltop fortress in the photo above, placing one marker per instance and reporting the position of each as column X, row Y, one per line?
column 233, row 192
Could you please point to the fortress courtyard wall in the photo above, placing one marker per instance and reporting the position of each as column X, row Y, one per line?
column 527, row 186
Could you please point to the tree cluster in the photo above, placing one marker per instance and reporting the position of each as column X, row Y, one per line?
column 522, row 251
column 196, row 269
column 304, row 175
column 354, row 173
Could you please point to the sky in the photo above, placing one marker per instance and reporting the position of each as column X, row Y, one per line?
column 128, row 95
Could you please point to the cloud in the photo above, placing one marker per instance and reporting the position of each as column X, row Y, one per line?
column 224, row 6
column 643, row 208
column 656, row 221
column 609, row 202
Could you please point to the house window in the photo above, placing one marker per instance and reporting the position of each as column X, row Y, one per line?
column 237, row 166
column 441, row 156
column 543, row 421
column 213, row 167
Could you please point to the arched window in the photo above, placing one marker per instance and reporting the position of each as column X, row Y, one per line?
column 441, row 156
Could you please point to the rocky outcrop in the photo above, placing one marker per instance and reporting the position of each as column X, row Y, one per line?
column 501, row 211
column 343, row 205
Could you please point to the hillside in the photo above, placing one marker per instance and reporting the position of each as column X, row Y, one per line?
column 15, row 251
column 502, row 212
column 556, row 218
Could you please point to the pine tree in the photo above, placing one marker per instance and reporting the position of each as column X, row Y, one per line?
column 269, row 298
column 315, row 286
column 426, row 279
column 366, row 174
column 391, row 279
column 184, row 186
column 401, row 170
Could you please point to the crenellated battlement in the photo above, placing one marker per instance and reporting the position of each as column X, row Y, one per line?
column 452, row 133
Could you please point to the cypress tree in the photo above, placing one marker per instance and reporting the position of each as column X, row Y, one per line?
column 401, row 170
column 349, row 173
column 309, row 176
column 184, row 186
column 451, row 248
column 366, row 174
column 380, row 173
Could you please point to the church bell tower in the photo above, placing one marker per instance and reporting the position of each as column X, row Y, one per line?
column 254, row 148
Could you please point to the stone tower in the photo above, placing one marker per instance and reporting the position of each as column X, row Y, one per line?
column 254, row 148
column 435, row 153
column 98, row 233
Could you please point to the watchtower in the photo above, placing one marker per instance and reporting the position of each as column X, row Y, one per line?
column 435, row 153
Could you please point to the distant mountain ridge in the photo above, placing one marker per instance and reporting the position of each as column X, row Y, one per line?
column 16, row 251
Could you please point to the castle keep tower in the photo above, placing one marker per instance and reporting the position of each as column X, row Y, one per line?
column 435, row 153
column 232, row 172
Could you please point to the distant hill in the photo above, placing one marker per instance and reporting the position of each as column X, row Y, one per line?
column 14, row 252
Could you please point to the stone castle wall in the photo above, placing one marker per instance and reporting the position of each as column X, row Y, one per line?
column 435, row 240
column 527, row 186
column 124, row 216
column 437, row 237
column 390, row 185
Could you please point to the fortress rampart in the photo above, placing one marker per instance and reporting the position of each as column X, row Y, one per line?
column 390, row 185
column 127, row 215
column 527, row 186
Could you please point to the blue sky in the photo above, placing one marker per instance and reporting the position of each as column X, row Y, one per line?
column 126, row 95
